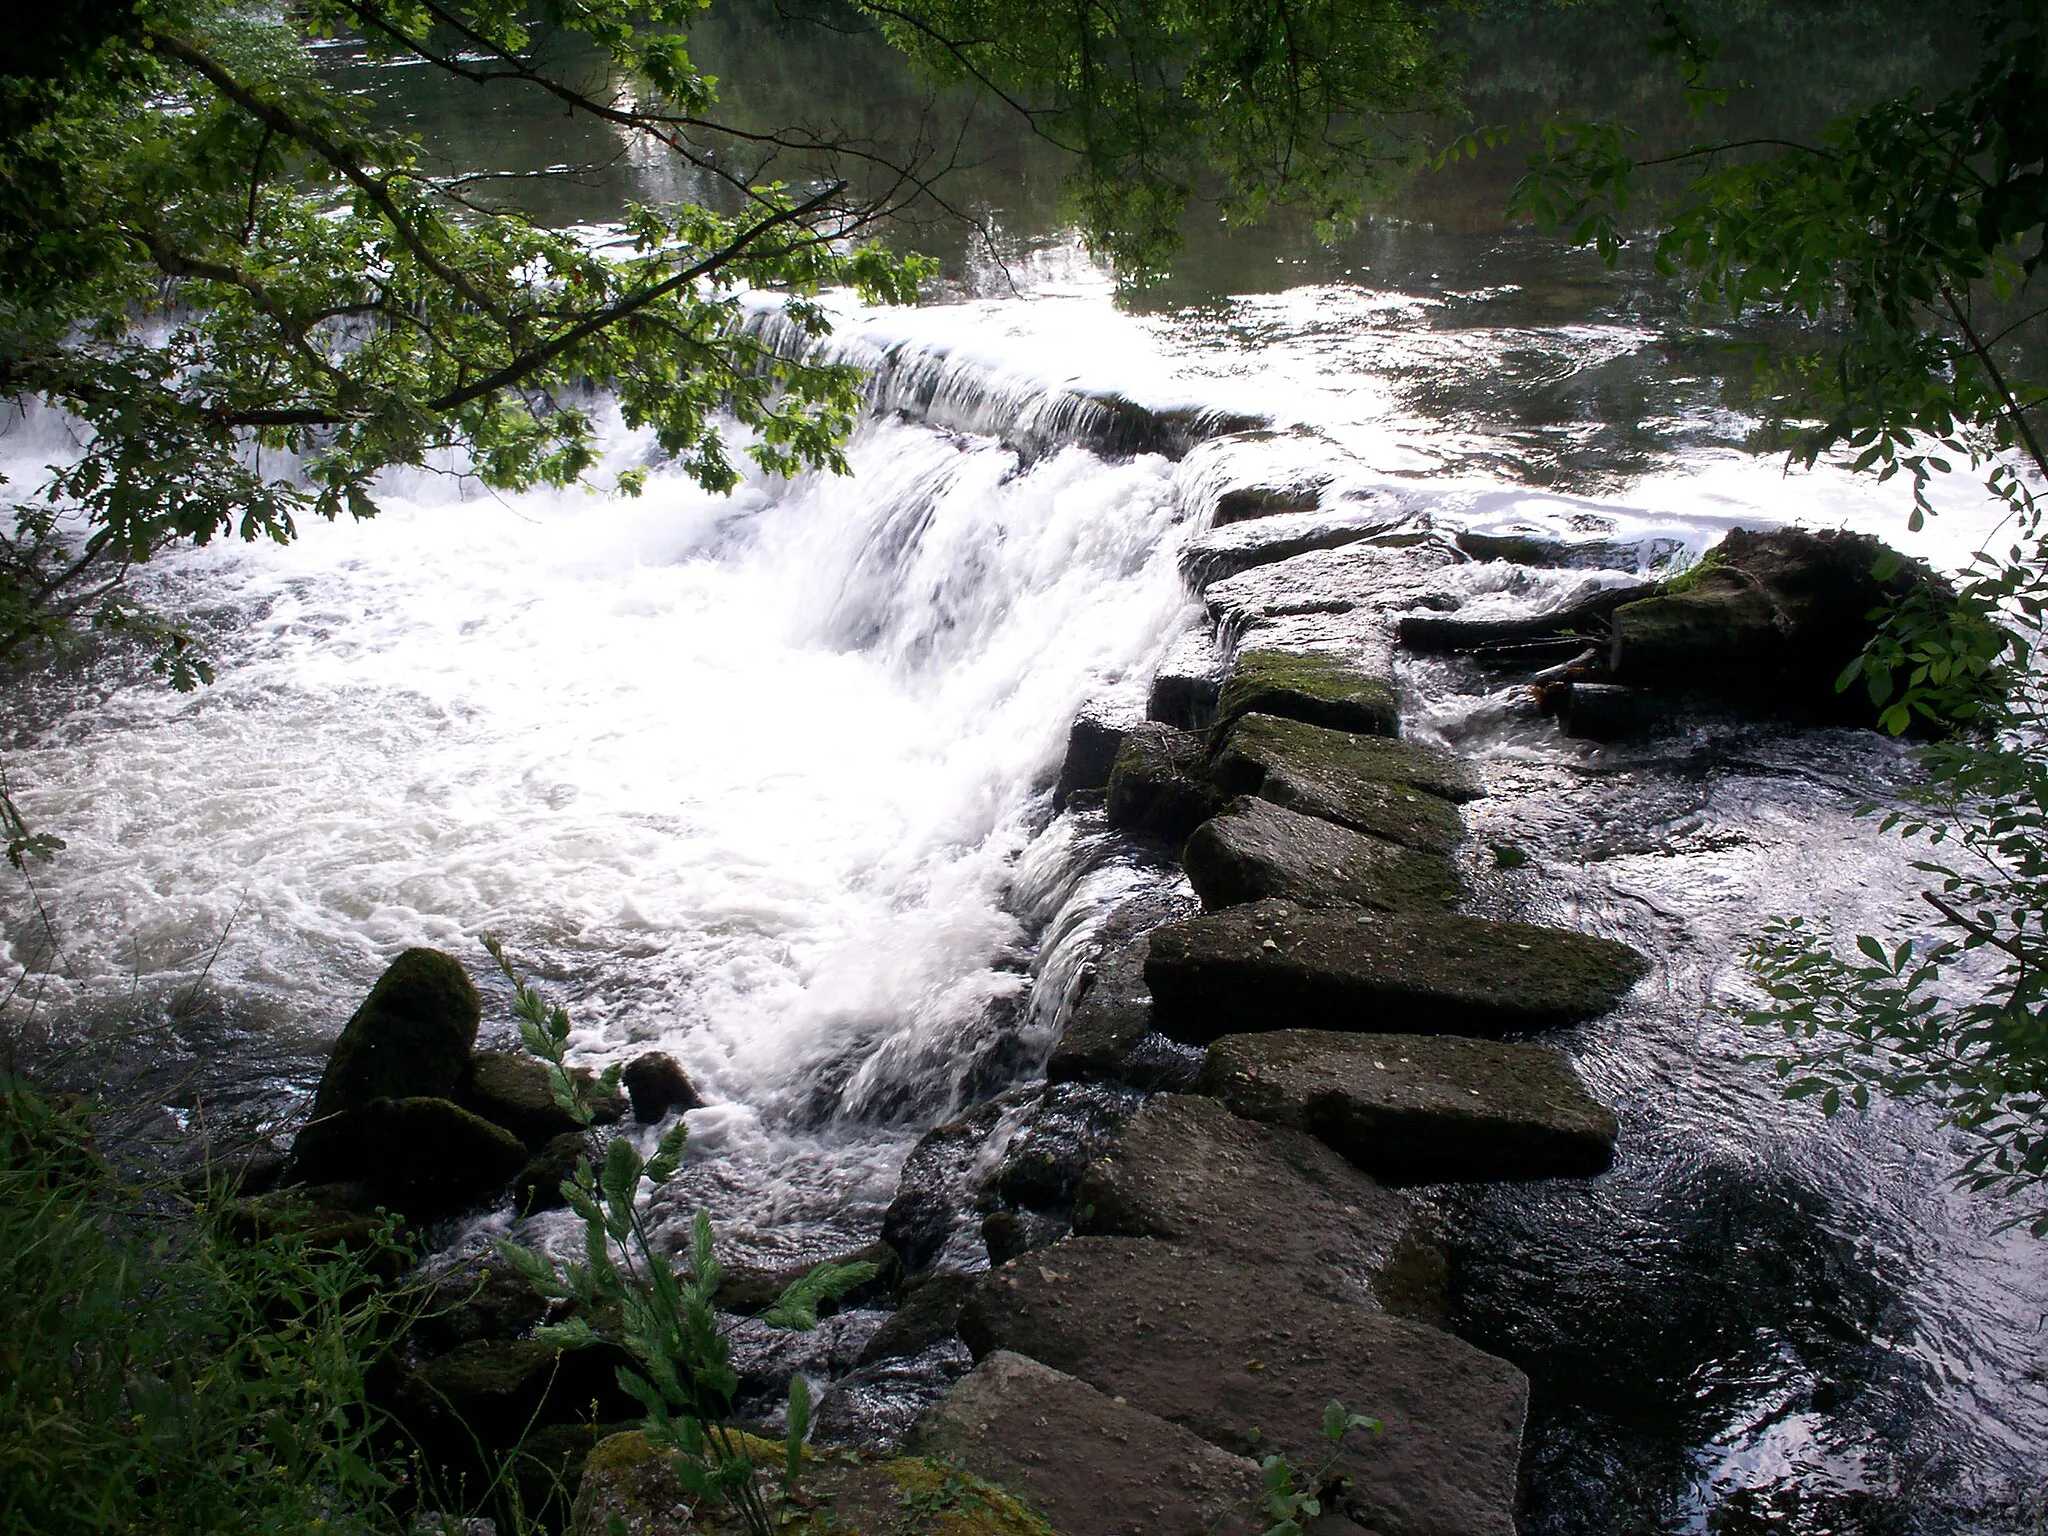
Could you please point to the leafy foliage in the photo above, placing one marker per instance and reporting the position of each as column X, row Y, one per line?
column 1288, row 1502
column 666, row 1319
column 1295, row 101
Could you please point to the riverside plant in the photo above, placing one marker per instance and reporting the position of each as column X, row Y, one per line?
column 666, row 1319
column 1288, row 1502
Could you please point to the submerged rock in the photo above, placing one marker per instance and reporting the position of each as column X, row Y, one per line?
column 514, row 1090
column 1257, row 850
column 1188, row 1171
column 1419, row 1109
column 411, row 1038
column 1275, row 966
column 1315, row 688
column 423, row 1156
column 1092, row 1464
column 1158, row 786
column 1224, row 1347
column 656, row 1083
column 1393, row 789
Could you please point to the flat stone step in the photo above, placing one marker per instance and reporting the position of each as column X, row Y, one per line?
column 1256, row 850
column 1092, row 1464
column 1225, row 1347
column 1419, row 1109
column 1159, row 783
column 1188, row 1171
column 1317, row 688
column 1273, row 965
column 1341, row 601
column 1394, row 789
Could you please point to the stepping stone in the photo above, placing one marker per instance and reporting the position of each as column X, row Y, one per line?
column 1224, row 552
column 1319, row 689
column 1344, row 601
column 1257, row 850
column 1273, row 965
column 1159, row 784
column 1223, row 1347
column 1183, row 690
column 1392, row 789
column 1093, row 1465
column 1188, row 1171
column 1419, row 1109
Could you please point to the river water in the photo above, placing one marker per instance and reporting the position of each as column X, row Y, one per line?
column 764, row 780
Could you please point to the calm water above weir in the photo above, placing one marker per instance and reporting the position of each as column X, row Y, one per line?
column 766, row 780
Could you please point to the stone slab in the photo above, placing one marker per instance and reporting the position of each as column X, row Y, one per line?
column 1257, row 850
column 1261, row 748
column 1186, row 1170
column 1319, row 689
column 1223, row 1347
column 1419, row 1109
column 1108, row 1034
column 1273, row 965
column 1159, row 785
column 1092, row 1464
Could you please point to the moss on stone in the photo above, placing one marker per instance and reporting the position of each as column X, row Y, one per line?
column 1158, row 784
column 1314, row 687
column 423, row 1156
column 411, row 1037
column 514, row 1090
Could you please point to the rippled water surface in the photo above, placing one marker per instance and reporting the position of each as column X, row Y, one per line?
column 765, row 780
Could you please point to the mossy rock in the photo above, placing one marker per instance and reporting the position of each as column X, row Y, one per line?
column 1398, row 790
column 1312, row 687
column 424, row 1156
column 539, row 1184
column 629, row 1478
column 339, row 1216
column 1257, row 850
column 411, row 1038
column 1274, row 965
column 1159, row 785
column 515, row 1090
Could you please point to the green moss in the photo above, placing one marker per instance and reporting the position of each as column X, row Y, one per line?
column 1392, row 789
column 411, row 1037
column 1312, row 687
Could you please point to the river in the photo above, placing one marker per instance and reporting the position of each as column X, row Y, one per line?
column 765, row 780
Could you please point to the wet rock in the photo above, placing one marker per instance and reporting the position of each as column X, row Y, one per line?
column 1257, row 850
column 1276, row 966
column 929, row 1314
column 1108, row 1035
column 938, row 1178
column 1010, row 1233
column 1188, row 1171
column 426, row 1157
column 1343, row 602
column 749, row 1290
column 1317, row 689
column 1263, row 501
column 411, row 1038
column 1092, row 742
column 1158, row 786
column 656, row 1083
column 1245, row 545
column 480, row 1399
column 251, row 1171
column 538, row 1186
column 478, row 1302
column 1066, row 1131
column 1398, row 790
column 1771, row 620
column 1222, row 1347
column 1091, row 1464
column 873, row 1408
column 1183, row 690
column 341, row 1216
column 513, row 1089
column 630, row 1481
column 1604, row 712
column 1419, row 1109
column 1534, row 638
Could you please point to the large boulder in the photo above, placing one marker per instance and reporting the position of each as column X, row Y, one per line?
column 657, row 1084
column 1312, row 687
column 1256, row 850
column 411, row 1038
column 1769, row 619
column 1398, row 790
column 1242, row 1355
column 1419, row 1109
column 514, row 1089
column 1273, row 965
column 1091, row 1464
column 424, row 1157
column 1188, row 1171
column 1158, row 785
